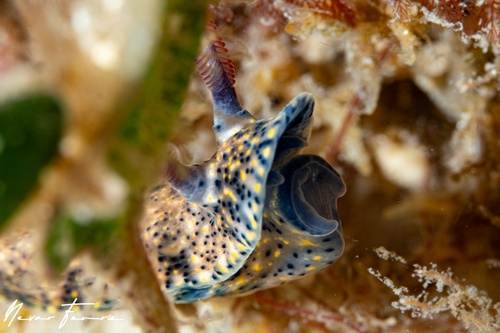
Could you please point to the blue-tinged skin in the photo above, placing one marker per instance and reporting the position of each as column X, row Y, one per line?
column 255, row 215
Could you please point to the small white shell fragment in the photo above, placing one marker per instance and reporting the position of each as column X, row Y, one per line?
column 402, row 162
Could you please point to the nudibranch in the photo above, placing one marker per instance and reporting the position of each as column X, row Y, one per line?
column 254, row 216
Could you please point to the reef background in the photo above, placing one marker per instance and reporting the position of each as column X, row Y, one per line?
column 407, row 110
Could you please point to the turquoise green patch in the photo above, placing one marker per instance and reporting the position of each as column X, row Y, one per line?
column 69, row 236
column 30, row 130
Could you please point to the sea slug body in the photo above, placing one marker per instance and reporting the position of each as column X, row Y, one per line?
column 254, row 216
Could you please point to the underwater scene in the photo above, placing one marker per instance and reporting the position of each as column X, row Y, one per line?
column 242, row 166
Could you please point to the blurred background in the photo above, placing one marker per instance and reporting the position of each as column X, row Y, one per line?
column 92, row 93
